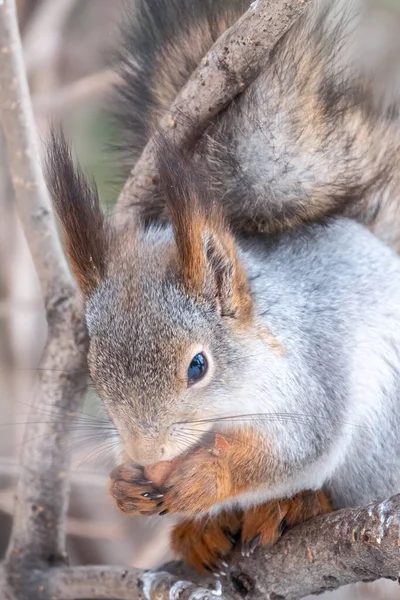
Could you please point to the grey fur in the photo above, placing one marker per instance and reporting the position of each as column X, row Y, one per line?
column 331, row 297
column 315, row 132
column 333, row 301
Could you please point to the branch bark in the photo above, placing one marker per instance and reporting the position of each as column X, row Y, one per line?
column 232, row 63
column 23, row 155
column 38, row 536
column 348, row 546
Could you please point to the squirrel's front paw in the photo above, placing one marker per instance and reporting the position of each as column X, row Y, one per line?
column 201, row 480
column 264, row 524
column 133, row 493
column 203, row 543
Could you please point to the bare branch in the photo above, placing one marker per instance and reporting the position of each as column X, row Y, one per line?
column 347, row 546
column 83, row 90
column 91, row 582
column 231, row 64
column 344, row 547
column 42, row 492
column 77, row 527
column 43, row 33
column 23, row 156
column 39, row 534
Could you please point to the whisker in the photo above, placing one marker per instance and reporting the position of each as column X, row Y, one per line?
column 41, row 369
column 73, row 414
column 251, row 417
column 233, row 438
column 188, row 438
column 99, row 451
column 183, row 445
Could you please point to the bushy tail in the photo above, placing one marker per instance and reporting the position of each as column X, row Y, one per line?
column 314, row 136
column 163, row 41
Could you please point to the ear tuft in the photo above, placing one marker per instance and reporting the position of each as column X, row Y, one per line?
column 207, row 256
column 182, row 191
column 77, row 205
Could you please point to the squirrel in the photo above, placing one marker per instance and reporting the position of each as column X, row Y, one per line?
column 250, row 303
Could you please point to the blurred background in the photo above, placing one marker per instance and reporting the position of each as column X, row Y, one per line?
column 69, row 48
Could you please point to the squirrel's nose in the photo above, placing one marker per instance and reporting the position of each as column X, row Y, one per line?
column 145, row 452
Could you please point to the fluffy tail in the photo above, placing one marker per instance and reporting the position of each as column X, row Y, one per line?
column 163, row 41
column 314, row 136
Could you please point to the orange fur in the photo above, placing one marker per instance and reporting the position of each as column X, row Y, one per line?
column 242, row 301
column 201, row 479
column 203, row 543
column 263, row 524
column 127, row 486
column 189, row 228
column 208, row 476
column 206, row 251
column 275, row 345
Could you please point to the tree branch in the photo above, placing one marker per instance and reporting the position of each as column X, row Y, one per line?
column 348, row 546
column 232, row 63
column 23, row 155
column 44, row 32
column 38, row 536
column 81, row 91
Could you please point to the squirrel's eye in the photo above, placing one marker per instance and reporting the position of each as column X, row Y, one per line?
column 197, row 368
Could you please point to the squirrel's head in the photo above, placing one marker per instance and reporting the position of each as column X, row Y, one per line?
column 168, row 309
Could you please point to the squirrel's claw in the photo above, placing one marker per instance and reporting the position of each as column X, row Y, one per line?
column 152, row 495
column 134, row 493
column 262, row 526
column 231, row 537
column 249, row 547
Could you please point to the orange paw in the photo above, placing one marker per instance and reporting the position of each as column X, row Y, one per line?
column 264, row 524
column 133, row 493
column 203, row 543
column 198, row 482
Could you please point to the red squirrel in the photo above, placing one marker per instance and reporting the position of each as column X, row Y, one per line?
column 246, row 326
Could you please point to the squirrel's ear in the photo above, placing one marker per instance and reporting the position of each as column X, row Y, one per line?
column 224, row 276
column 207, row 255
column 77, row 205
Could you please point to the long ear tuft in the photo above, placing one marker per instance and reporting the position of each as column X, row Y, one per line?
column 77, row 205
column 207, row 255
column 180, row 187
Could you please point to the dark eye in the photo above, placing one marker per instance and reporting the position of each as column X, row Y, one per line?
column 197, row 368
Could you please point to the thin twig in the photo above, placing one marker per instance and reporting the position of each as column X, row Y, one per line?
column 43, row 34
column 84, row 90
